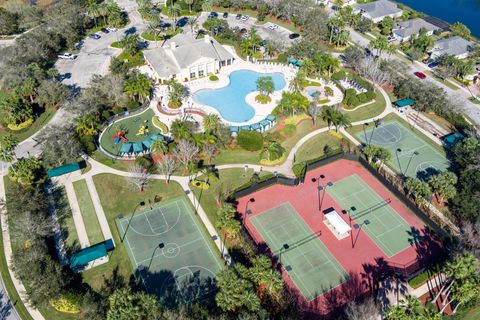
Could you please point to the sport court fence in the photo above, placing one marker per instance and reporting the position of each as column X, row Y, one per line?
column 406, row 270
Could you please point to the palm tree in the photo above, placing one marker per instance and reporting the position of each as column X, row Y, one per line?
column 327, row 115
column 272, row 151
column 335, row 25
column 211, row 122
column 265, row 86
column 297, row 83
column 189, row 2
column 159, row 146
column 341, row 38
column 131, row 43
column 138, row 86
column 8, row 144
column 93, row 10
column 412, row 305
column 174, row 12
column 340, row 120
column 227, row 222
column 192, row 22
column 87, row 125
column 103, row 10
column 155, row 31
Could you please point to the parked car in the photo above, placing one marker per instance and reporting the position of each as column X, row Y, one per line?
column 238, row 16
column 293, row 35
column 104, row 30
column 433, row 64
column 213, row 15
column 78, row 45
column 263, row 43
column 245, row 18
column 272, row 26
column 95, row 36
column 391, row 39
column 225, row 15
column 420, row 75
column 68, row 56
column 165, row 25
column 182, row 22
column 112, row 29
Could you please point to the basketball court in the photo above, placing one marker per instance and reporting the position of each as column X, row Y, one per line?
column 372, row 214
column 169, row 250
column 411, row 155
column 310, row 265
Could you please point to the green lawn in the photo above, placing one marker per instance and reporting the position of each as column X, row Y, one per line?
column 229, row 179
column 314, row 147
column 64, row 214
column 369, row 111
column 42, row 120
column 130, row 125
column 89, row 215
column 118, row 197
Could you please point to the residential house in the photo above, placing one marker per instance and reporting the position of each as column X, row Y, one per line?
column 455, row 46
column 185, row 58
column 406, row 29
column 378, row 10
column 331, row 3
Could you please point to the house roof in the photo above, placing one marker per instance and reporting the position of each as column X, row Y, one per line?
column 378, row 9
column 453, row 46
column 413, row 26
column 182, row 51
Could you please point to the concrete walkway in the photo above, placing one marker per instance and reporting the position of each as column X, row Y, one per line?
column 102, row 219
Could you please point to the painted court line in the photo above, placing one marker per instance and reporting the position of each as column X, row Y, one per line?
column 179, row 246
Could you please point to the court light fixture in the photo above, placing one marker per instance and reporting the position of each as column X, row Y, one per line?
column 399, row 150
column 161, row 245
column 252, row 200
column 322, row 176
column 288, row 268
column 286, row 246
column 314, row 180
column 248, row 212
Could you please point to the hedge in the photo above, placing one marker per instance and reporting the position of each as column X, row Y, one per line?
column 250, row 140
column 20, row 126
column 160, row 125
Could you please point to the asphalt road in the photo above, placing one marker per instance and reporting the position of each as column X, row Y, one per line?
column 461, row 95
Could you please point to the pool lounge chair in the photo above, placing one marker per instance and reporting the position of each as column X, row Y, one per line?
column 245, row 128
column 256, row 127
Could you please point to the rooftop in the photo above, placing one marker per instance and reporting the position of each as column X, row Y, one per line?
column 453, row 46
column 379, row 8
column 413, row 26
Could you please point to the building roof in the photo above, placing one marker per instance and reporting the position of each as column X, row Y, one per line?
column 337, row 222
column 453, row 46
column 182, row 51
column 413, row 26
column 83, row 257
column 404, row 103
column 378, row 9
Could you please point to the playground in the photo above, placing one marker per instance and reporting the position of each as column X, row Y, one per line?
column 170, row 252
column 291, row 223
column 136, row 131
column 411, row 155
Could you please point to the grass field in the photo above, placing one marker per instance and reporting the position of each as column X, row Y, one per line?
column 315, row 147
column 310, row 265
column 87, row 209
column 130, row 125
column 169, row 250
column 373, row 214
column 65, row 218
column 42, row 120
column 369, row 111
column 117, row 196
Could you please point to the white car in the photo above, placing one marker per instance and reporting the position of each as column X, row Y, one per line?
column 245, row 18
column 273, row 26
column 111, row 29
column 69, row 56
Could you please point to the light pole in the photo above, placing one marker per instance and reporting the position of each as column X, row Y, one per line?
column 397, row 151
column 324, row 188
column 347, row 212
column 284, row 247
column 161, row 245
column 247, row 211
column 365, row 132
column 141, row 203
column 359, row 227
column 415, row 153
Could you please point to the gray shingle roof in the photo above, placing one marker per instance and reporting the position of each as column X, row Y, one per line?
column 413, row 26
column 380, row 8
column 168, row 61
column 453, row 45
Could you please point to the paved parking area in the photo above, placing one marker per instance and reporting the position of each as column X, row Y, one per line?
column 279, row 35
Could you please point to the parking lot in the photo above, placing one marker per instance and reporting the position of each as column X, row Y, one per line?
column 278, row 35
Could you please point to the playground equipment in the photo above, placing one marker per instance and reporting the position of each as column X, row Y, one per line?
column 143, row 131
column 120, row 135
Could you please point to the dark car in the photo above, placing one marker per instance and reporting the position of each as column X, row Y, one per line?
column 182, row 22
column 225, row 15
column 293, row 36
column 263, row 43
column 105, row 30
column 420, row 75
column 165, row 25
column 94, row 36
column 432, row 65
column 212, row 15
column 238, row 16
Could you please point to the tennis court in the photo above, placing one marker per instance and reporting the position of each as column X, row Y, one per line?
column 372, row 214
column 411, row 155
column 310, row 265
column 169, row 250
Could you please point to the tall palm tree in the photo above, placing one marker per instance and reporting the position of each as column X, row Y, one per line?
column 138, row 86
column 131, row 43
column 297, row 83
column 93, row 11
column 210, row 122
column 87, row 125
column 272, row 151
column 174, row 12
column 155, row 31
column 103, row 11
column 159, row 146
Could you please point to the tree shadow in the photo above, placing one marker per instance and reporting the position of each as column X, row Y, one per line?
column 424, row 175
column 174, row 292
column 131, row 30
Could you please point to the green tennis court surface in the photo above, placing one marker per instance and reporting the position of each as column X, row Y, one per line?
column 310, row 265
column 186, row 265
column 411, row 155
column 385, row 227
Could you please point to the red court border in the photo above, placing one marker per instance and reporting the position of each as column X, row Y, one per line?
column 366, row 263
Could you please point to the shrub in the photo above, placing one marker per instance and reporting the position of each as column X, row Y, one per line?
column 117, row 110
column 250, row 140
column 88, row 143
column 20, row 126
column 67, row 303
column 213, row 78
column 362, row 98
column 339, row 75
column 201, row 184
column 370, row 95
column 263, row 99
column 282, row 57
column 289, row 130
column 132, row 104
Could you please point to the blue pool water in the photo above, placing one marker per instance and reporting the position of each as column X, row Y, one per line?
column 230, row 100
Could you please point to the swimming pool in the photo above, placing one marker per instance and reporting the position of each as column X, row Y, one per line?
column 230, row 100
